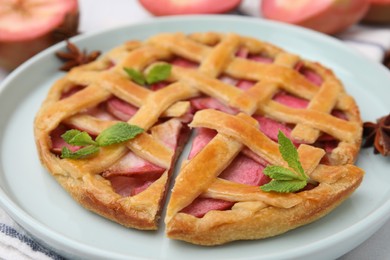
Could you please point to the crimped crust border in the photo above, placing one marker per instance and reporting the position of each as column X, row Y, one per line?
column 254, row 220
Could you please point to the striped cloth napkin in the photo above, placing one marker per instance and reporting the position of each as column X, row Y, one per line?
column 15, row 243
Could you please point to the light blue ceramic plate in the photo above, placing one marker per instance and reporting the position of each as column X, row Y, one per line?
column 33, row 198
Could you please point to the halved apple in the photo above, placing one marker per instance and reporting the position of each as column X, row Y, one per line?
column 379, row 12
column 29, row 26
column 327, row 16
column 175, row 7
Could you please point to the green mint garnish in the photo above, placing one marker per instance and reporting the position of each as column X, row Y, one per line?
column 79, row 154
column 76, row 137
column 118, row 133
column 135, row 75
column 157, row 73
column 290, row 154
column 281, row 173
column 115, row 134
column 284, row 179
column 284, row 186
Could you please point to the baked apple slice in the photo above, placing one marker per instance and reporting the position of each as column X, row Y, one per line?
column 327, row 16
column 174, row 7
column 29, row 26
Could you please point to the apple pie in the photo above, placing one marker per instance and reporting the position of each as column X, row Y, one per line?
column 235, row 95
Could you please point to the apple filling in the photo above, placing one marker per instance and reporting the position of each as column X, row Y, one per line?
column 131, row 174
column 242, row 170
column 270, row 127
column 309, row 74
column 246, row 168
column 72, row 90
column 244, row 53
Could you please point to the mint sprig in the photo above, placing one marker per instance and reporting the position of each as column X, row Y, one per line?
column 115, row 134
column 157, row 73
column 285, row 179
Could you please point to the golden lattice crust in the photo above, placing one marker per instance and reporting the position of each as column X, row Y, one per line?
column 255, row 214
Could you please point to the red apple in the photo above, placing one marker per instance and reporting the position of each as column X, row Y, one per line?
column 29, row 26
column 175, row 7
column 327, row 16
column 379, row 12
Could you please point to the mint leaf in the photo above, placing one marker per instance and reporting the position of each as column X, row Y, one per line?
column 285, row 179
column 290, row 153
column 79, row 154
column 280, row 173
column 118, row 133
column 158, row 73
column 284, row 186
column 76, row 137
column 135, row 75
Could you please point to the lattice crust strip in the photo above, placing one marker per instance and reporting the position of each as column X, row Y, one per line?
column 216, row 55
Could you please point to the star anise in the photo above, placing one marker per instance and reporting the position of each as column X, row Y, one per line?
column 74, row 57
column 378, row 135
column 386, row 60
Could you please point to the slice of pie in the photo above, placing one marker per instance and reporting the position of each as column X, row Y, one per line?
column 126, row 182
column 237, row 94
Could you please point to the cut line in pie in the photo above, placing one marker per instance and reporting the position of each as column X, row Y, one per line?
column 235, row 93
